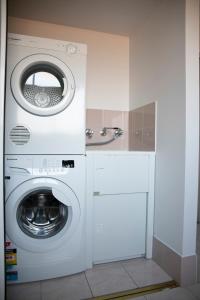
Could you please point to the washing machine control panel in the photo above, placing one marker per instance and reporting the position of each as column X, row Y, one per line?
column 39, row 167
column 68, row 163
column 53, row 167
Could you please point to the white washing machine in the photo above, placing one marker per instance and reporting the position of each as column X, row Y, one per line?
column 45, row 216
column 45, row 96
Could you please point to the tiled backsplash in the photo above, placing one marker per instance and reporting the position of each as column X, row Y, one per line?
column 142, row 128
column 96, row 119
column 138, row 126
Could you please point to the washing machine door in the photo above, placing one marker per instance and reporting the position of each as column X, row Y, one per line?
column 42, row 84
column 41, row 214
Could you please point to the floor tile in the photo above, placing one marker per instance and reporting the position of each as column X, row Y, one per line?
column 145, row 272
column 25, row 291
column 173, row 294
column 71, row 287
column 109, row 278
column 195, row 290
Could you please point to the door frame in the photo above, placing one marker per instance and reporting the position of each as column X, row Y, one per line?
column 3, row 33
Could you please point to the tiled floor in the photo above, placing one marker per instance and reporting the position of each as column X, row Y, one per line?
column 105, row 279
column 102, row 279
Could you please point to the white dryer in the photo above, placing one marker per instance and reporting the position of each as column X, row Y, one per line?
column 45, row 96
column 45, row 216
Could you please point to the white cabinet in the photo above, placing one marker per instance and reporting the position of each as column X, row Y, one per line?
column 120, row 205
column 119, row 226
column 121, row 173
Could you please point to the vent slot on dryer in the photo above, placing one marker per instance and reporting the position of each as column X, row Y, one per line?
column 19, row 135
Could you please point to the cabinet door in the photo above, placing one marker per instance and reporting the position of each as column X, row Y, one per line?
column 119, row 173
column 119, row 226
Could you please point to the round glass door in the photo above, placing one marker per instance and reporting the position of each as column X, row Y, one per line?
column 42, row 84
column 43, row 87
column 40, row 215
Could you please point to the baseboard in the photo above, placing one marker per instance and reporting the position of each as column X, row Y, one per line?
column 181, row 269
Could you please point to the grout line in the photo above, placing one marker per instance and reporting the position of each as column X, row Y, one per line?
column 129, row 275
column 88, row 284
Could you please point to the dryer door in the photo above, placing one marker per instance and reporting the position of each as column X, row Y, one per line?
column 42, row 84
column 41, row 214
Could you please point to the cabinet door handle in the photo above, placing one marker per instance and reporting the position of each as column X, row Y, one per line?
column 96, row 193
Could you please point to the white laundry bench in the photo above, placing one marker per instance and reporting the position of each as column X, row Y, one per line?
column 120, row 205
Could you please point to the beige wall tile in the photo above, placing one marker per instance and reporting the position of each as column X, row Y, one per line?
column 97, row 119
column 148, row 139
column 125, row 128
column 130, row 130
column 112, row 118
column 142, row 128
column 138, row 127
column 94, row 119
column 138, row 118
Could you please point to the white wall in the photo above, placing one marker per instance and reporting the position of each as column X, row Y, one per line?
column 2, row 82
column 192, row 126
column 108, row 60
column 158, row 73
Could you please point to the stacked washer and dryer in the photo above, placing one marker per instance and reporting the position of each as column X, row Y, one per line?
column 44, row 158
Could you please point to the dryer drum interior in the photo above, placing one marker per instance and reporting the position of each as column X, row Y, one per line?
column 43, row 85
column 40, row 215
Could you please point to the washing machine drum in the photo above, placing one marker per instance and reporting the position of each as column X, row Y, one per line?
column 41, row 214
column 42, row 84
